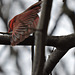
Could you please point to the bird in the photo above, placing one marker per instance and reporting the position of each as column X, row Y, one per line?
column 23, row 24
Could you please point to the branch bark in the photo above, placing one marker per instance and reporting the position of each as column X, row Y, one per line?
column 53, row 60
column 40, row 38
column 62, row 42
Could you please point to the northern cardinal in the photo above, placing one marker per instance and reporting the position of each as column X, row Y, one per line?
column 22, row 25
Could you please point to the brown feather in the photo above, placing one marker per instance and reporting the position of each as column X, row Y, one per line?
column 23, row 22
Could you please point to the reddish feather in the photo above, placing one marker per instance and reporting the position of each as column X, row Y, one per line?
column 19, row 24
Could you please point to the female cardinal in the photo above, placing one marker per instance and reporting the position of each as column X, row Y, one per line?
column 22, row 25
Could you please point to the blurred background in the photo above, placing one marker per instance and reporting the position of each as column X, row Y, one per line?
column 17, row 60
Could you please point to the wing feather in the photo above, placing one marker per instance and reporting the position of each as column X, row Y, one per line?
column 24, row 29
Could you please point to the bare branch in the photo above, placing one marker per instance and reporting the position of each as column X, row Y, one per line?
column 56, row 23
column 71, row 14
column 39, row 58
column 5, row 40
column 62, row 42
column 53, row 60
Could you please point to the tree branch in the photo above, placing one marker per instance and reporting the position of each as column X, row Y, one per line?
column 53, row 60
column 62, row 42
column 40, row 40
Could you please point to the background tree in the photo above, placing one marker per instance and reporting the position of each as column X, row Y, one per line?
column 61, row 23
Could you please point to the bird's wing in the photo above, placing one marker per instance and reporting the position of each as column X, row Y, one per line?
column 24, row 28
